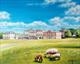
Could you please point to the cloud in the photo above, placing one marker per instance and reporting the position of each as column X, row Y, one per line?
column 35, row 4
column 55, row 1
column 48, row 2
column 66, row 22
column 21, row 26
column 73, row 26
column 12, row 26
column 39, row 23
column 5, row 24
column 56, row 24
column 78, row 19
column 73, row 11
column 68, row 4
column 4, row 15
column 56, row 21
column 72, row 18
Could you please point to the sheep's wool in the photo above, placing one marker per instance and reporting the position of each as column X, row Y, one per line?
column 57, row 54
column 52, row 50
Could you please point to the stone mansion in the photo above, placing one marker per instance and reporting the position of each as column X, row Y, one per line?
column 33, row 34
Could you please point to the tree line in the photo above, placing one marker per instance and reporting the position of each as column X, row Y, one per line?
column 72, row 33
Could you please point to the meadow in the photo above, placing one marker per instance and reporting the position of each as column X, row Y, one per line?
column 25, row 51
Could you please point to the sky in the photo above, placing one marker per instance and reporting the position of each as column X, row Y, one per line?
column 20, row 15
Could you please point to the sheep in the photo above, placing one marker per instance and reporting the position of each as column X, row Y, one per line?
column 52, row 54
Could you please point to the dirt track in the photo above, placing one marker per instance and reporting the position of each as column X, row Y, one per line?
column 7, row 46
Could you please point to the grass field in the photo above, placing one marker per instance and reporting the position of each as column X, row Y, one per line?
column 26, row 50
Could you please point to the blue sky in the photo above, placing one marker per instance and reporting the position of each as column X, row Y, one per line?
column 20, row 15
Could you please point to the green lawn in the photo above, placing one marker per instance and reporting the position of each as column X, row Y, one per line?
column 26, row 50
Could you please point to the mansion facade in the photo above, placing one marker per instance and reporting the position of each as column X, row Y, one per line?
column 33, row 34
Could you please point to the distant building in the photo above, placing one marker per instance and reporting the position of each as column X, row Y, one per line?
column 58, row 35
column 63, row 33
column 49, row 35
column 52, row 35
column 39, row 34
column 33, row 34
column 9, row 35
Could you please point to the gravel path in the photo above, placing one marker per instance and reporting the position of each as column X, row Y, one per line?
column 7, row 46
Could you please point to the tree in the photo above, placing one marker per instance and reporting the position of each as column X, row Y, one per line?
column 68, row 33
column 78, row 33
column 72, row 31
column 1, row 35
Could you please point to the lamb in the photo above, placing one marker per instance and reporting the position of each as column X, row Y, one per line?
column 39, row 58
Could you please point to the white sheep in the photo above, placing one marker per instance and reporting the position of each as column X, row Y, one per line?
column 52, row 54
